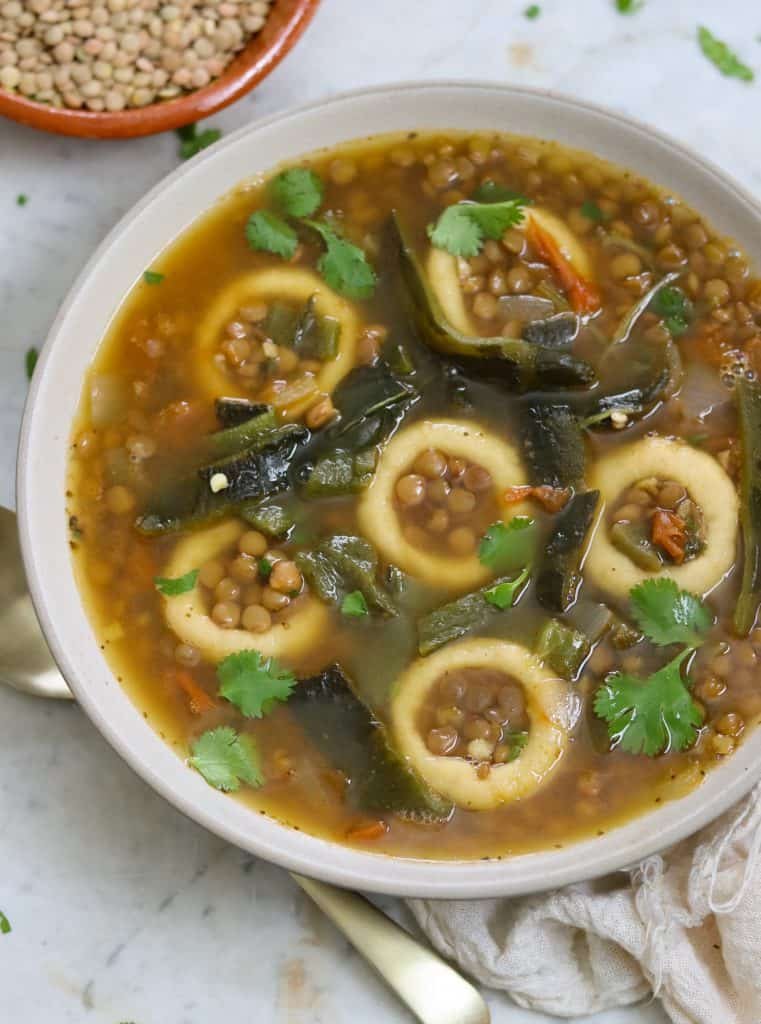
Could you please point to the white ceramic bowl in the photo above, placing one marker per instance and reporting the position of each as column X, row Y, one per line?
column 133, row 245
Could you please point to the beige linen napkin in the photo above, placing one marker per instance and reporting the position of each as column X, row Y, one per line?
column 685, row 924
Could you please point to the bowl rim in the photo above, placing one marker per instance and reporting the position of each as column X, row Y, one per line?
column 261, row 55
column 621, row 847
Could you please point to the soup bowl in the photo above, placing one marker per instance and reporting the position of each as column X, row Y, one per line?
column 81, row 324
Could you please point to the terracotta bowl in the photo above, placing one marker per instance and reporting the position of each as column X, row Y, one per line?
column 284, row 26
column 54, row 396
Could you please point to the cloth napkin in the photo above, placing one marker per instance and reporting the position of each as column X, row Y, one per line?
column 685, row 925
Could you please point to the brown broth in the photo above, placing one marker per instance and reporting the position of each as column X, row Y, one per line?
column 633, row 232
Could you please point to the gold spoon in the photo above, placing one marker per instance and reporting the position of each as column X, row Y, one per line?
column 433, row 990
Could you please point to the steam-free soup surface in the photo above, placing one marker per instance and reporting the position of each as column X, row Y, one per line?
column 404, row 588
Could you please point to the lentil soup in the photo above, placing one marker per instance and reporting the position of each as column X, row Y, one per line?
column 410, row 495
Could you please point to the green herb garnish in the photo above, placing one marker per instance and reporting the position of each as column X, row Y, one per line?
column 517, row 742
column 152, row 277
column 354, row 605
column 297, row 191
column 491, row 192
column 254, row 684
column 508, row 548
column 668, row 615
column 674, row 307
column 462, row 228
column 173, row 587
column 270, row 233
column 226, row 759
column 532, row 12
column 30, row 361
column 192, row 141
column 5, row 924
column 344, row 265
column 503, row 595
column 592, row 211
column 722, row 57
column 265, row 568
column 22, row 199
column 649, row 716
column 629, row 6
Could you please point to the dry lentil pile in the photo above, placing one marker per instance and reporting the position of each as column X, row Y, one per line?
column 445, row 503
column 475, row 713
column 115, row 54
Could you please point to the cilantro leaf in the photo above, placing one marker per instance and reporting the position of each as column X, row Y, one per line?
column 722, row 57
column 265, row 568
column 649, row 716
column 152, row 277
column 30, row 361
column 592, row 211
column 22, row 199
column 462, row 228
column 254, row 684
column 297, row 191
column 508, row 548
column 668, row 615
column 517, row 742
column 192, row 142
column 173, row 587
column 344, row 265
column 354, row 604
column 629, row 6
column 533, row 11
column 5, row 924
column 226, row 759
column 270, row 233
column 503, row 595
column 491, row 192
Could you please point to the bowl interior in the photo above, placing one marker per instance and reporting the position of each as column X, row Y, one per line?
column 81, row 324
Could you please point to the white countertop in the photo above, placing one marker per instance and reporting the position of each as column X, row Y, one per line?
column 122, row 910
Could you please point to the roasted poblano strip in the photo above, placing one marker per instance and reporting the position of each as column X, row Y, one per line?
column 563, row 648
column 342, row 564
column 252, row 431
column 510, row 362
column 349, row 736
column 464, row 615
column 749, row 408
column 558, row 572
column 558, row 332
column 272, row 520
column 231, row 412
column 311, row 336
column 553, row 444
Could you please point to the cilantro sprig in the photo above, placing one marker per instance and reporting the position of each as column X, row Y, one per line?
column 192, row 141
column 502, row 595
column 30, row 361
column 720, row 55
column 507, row 548
column 463, row 227
column 226, row 759
column 254, row 684
column 655, row 714
column 5, row 924
column 674, row 307
column 297, row 193
column 175, row 586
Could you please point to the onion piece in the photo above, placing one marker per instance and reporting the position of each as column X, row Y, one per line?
column 525, row 307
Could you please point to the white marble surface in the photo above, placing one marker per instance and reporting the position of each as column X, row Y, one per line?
column 122, row 910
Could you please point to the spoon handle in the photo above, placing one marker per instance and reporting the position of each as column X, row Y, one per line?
column 433, row 990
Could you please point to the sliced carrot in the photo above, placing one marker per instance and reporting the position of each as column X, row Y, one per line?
column 583, row 295
column 669, row 532
column 198, row 699
column 368, row 831
column 552, row 499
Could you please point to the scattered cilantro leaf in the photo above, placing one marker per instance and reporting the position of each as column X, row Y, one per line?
column 226, row 759
column 592, row 211
column 254, row 684
column 629, row 6
column 192, row 141
column 344, row 265
column 297, row 191
column 517, row 742
column 270, row 233
column 532, row 11
column 30, row 361
column 354, row 605
column 173, row 587
column 649, row 716
column 508, row 548
column 492, row 192
column 5, row 924
column 153, row 277
column 22, row 199
column 722, row 57
column 668, row 615
column 265, row 568
column 503, row 595
column 462, row 228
